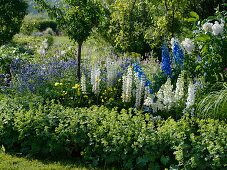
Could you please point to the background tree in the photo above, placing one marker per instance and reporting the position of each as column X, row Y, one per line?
column 12, row 13
column 126, row 25
column 77, row 18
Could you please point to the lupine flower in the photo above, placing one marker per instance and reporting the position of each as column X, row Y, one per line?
column 191, row 95
column 111, row 72
column 83, row 84
column 188, row 45
column 217, row 28
column 147, row 89
column 139, row 89
column 149, row 101
column 166, row 63
column 127, row 86
column 95, row 79
column 166, row 95
column 179, row 92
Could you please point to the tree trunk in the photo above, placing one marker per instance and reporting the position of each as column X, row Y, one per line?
column 79, row 60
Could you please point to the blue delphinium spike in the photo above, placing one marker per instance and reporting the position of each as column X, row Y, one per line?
column 178, row 53
column 166, row 63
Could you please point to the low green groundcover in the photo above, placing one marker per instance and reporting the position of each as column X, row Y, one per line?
column 128, row 139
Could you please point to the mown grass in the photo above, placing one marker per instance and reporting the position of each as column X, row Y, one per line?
column 8, row 161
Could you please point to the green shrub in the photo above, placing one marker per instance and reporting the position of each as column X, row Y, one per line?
column 12, row 13
column 29, row 26
column 49, row 31
column 43, row 25
column 126, row 139
column 50, row 39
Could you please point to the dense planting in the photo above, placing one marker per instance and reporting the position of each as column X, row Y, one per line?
column 101, row 136
column 149, row 91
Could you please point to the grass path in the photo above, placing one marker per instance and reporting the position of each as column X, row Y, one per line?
column 12, row 162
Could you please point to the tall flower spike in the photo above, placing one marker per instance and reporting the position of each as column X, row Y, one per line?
column 127, row 86
column 191, row 95
column 83, row 84
column 166, row 63
column 178, row 53
column 179, row 92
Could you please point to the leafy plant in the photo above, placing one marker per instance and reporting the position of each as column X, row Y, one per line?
column 12, row 13
column 213, row 105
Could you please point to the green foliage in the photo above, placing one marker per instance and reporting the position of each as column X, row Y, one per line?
column 10, row 52
column 43, row 25
column 209, row 57
column 126, row 139
column 196, row 144
column 28, row 27
column 11, row 161
column 12, row 13
column 77, row 18
column 213, row 105
column 126, row 24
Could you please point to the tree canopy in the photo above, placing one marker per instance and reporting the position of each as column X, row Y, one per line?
column 76, row 17
column 12, row 13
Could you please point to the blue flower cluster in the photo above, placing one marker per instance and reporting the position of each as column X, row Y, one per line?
column 37, row 77
column 137, row 69
column 166, row 63
column 178, row 54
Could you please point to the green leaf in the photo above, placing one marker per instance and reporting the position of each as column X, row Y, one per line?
column 194, row 14
column 198, row 67
column 203, row 38
column 190, row 19
column 2, row 150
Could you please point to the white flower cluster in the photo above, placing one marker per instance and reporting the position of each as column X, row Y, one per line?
column 95, row 79
column 166, row 94
column 154, row 105
column 111, row 72
column 191, row 95
column 139, row 90
column 42, row 49
column 179, row 92
column 215, row 28
column 127, row 86
column 166, row 97
column 83, row 84
column 188, row 45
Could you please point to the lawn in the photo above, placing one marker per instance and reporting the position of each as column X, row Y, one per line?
column 8, row 161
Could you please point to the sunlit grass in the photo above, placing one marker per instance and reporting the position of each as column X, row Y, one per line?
column 12, row 162
column 214, row 105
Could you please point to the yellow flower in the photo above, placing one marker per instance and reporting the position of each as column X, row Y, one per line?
column 56, row 84
column 76, row 86
column 102, row 100
column 119, row 80
column 98, row 80
column 85, row 96
column 60, row 84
